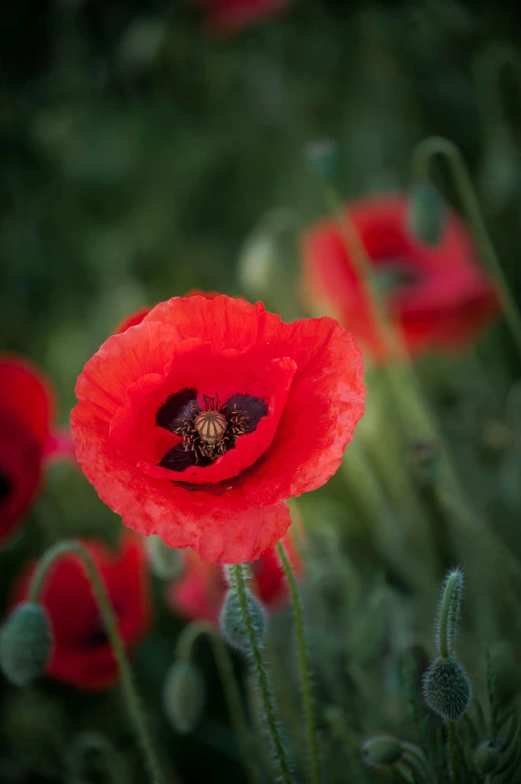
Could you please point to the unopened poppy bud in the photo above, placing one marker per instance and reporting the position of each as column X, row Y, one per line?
column 426, row 214
column 382, row 751
column 25, row 644
column 184, row 696
column 447, row 689
column 322, row 157
column 486, row 757
column 165, row 562
column 232, row 623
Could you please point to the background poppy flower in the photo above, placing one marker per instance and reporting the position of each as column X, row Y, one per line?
column 199, row 594
column 438, row 296
column 82, row 655
column 26, row 411
column 229, row 16
column 197, row 424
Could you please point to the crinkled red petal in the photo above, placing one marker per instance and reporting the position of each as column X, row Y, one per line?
column 237, row 518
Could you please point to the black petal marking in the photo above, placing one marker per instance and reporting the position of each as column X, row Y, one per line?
column 253, row 409
column 179, row 413
column 179, row 459
column 176, row 408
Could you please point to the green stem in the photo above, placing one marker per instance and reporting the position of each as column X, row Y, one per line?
column 424, row 152
column 231, row 691
column 411, row 406
column 448, row 612
column 111, row 627
column 488, row 67
column 304, row 663
column 454, row 753
column 238, row 583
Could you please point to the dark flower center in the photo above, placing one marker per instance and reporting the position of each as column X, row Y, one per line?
column 97, row 637
column 6, row 486
column 393, row 276
column 209, row 432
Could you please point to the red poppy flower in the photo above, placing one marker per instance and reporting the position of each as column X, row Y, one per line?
column 199, row 594
column 82, row 655
column 26, row 410
column 197, row 424
column 138, row 316
column 438, row 296
column 229, row 16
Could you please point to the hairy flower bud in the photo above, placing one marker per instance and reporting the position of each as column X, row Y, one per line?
column 487, row 757
column 232, row 624
column 165, row 562
column 447, row 689
column 184, row 696
column 381, row 751
column 426, row 215
column 25, row 644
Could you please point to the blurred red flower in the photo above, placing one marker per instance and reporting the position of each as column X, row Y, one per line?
column 82, row 655
column 229, row 16
column 26, row 439
column 438, row 296
column 197, row 424
column 199, row 594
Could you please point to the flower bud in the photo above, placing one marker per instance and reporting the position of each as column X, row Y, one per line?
column 426, row 214
column 232, row 623
column 165, row 562
column 382, row 751
column 25, row 644
column 486, row 757
column 184, row 696
column 447, row 689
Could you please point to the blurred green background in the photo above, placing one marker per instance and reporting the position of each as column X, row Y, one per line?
column 140, row 150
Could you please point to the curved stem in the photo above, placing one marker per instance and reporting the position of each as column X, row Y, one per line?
column 424, row 152
column 303, row 662
column 238, row 583
column 448, row 612
column 111, row 627
column 414, row 757
column 454, row 753
column 186, row 642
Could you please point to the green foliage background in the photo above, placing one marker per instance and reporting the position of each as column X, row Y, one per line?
column 139, row 153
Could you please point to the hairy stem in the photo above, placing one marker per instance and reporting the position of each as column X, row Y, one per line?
column 231, row 690
column 238, row 583
column 448, row 613
column 111, row 627
column 454, row 753
column 303, row 662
